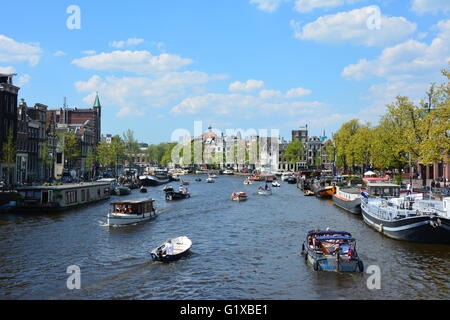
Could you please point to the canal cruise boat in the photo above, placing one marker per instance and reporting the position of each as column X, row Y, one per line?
column 332, row 251
column 131, row 212
column 409, row 218
column 46, row 199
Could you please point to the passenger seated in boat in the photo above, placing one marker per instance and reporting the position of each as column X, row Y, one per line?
column 169, row 248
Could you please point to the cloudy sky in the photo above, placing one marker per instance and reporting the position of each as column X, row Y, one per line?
column 262, row 64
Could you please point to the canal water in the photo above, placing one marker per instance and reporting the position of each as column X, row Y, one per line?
column 247, row 250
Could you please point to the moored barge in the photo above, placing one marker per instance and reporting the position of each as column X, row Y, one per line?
column 45, row 199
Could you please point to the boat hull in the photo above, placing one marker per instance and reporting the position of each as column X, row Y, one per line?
column 331, row 264
column 170, row 258
column 425, row 229
column 352, row 206
column 129, row 219
column 153, row 181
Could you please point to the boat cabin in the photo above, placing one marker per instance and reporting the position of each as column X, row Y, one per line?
column 383, row 190
column 133, row 207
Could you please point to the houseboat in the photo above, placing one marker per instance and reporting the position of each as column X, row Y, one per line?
column 43, row 199
column 348, row 198
column 409, row 218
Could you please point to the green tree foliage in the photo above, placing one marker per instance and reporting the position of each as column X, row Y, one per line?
column 294, row 152
column 131, row 145
column 71, row 147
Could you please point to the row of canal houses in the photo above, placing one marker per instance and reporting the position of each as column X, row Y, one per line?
column 37, row 132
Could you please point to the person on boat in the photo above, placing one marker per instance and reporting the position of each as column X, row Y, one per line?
column 169, row 248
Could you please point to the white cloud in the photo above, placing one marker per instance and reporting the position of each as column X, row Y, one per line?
column 268, row 5
column 250, row 85
column 363, row 27
column 139, row 62
column 22, row 80
column 7, row 70
column 410, row 59
column 126, row 43
column 298, row 92
column 266, row 103
column 433, row 6
column 13, row 51
column 89, row 52
column 135, row 95
column 304, row 6
column 268, row 94
column 59, row 54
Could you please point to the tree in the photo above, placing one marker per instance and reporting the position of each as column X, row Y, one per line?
column 361, row 147
column 9, row 154
column 344, row 153
column 131, row 145
column 45, row 157
column 294, row 152
column 71, row 147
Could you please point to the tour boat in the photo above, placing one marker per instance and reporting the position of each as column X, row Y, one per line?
column 332, row 251
column 44, row 199
column 172, row 250
column 348, row 199
column 171, row 194
column 239, row 196
column 409, row 218
column 131, row 212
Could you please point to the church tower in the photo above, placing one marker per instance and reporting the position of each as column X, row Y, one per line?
column 98, row 111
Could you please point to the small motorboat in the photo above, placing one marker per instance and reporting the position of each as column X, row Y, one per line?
column 171, row 194
column 172, row 250
column 248, row 182
column 332, row 251
column 210, row 180
column 276, row 184
column 309, row 193
column 143, row 189
column 264, row 191
column 214, row 176
column 239, row 196
column 122, row 191
column 184, row 182
column 292, row 180
column 131, row 212
column 198, row 180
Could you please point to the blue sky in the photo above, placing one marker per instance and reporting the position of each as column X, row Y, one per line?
column 161, row 65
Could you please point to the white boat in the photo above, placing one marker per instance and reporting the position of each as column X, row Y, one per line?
column 228, row 172
column 210, row 180
column 248, row 182
column 172, row 250
column 276, row 184
column 131, row 212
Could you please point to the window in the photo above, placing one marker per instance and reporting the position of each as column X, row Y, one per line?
column 83, row 195
column 59, row 158
column 71, row 197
